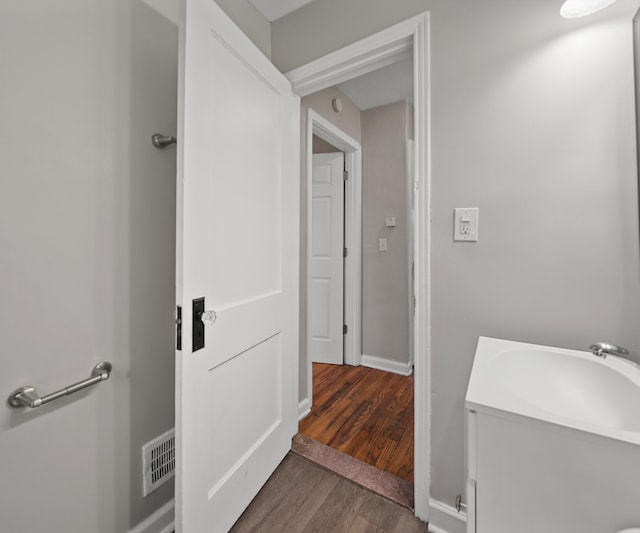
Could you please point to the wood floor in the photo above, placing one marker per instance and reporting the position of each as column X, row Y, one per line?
column 303, row 497
column 365, row 413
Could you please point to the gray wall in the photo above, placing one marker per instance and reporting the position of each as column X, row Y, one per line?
column 87, row 230
column 320, row 146
column 348, row 120
column 533, row 122
column 385, row 307
column 250, row 21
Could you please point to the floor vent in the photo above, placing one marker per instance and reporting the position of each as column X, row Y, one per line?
column 158, row 461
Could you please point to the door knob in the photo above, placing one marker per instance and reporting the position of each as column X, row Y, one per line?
column 209, row 317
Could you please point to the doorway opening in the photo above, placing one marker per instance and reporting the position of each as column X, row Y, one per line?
column 364, row 411
column 370, row 54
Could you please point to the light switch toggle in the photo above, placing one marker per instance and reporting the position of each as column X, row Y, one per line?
column 465, row 227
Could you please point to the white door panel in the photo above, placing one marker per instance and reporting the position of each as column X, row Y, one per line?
column 238, row 198
column 326, row 283
column 321, row 209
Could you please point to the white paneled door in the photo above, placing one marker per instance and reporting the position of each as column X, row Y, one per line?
column 237, row 270
column 326, row 278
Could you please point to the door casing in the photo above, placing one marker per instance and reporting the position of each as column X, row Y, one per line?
column 317, row 125
column 366, row 55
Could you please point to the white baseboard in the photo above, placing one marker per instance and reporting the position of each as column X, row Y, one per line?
column 445, row 519
column 404, row 369
column 304, row 408
column 162, row 521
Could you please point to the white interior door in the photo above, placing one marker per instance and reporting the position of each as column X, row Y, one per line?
column 238, row 205
column 326, row 276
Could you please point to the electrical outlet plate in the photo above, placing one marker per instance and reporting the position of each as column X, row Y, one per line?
column 465, row 224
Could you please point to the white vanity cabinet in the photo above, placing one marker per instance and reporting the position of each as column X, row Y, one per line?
column 524, row 477
column 535, row 471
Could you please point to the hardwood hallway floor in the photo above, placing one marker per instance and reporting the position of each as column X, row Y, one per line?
column 365, row 413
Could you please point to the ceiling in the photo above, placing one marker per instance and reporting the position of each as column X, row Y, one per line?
column 383, row 86
column 275, row 9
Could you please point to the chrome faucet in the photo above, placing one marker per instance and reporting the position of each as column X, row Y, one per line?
column 602, row 349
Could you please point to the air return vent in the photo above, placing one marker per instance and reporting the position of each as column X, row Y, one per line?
column 158, row 461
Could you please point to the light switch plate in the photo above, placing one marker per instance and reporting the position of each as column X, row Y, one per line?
column 465, row 224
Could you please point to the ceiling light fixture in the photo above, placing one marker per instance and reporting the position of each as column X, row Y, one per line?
column 580, row 8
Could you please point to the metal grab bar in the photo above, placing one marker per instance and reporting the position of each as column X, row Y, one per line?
column 27, row 396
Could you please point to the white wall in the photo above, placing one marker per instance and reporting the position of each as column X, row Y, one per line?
column 533, row 122
column 87, row 229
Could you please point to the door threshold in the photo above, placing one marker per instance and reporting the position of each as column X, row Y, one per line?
column 387, row 485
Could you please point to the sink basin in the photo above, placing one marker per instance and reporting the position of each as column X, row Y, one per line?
column 570, row 386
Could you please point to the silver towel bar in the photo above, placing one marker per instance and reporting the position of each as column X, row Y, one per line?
column 27, row 396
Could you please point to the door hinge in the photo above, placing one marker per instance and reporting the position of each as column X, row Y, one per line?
column 179, row 328
column 345, row 175
column 344, row 329
column 345, row 252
